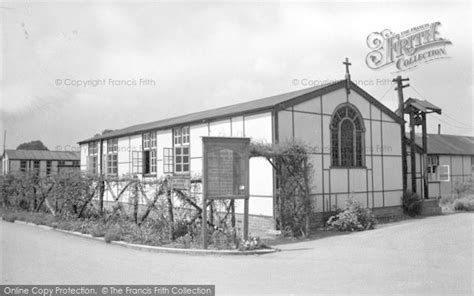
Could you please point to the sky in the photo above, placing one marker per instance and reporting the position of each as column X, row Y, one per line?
column 70, row 70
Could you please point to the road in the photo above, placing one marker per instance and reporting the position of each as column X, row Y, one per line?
column 429, row 256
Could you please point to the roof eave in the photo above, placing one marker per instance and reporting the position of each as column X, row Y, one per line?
column 286, row 103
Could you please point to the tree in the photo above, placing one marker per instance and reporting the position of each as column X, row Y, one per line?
column 33, row 145
column 106, row 131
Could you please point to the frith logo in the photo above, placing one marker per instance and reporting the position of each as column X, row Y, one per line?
column 407, row 49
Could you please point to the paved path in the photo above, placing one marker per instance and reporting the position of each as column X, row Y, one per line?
column 430, row 256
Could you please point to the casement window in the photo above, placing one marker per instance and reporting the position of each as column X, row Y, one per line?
column 112, row 157
column 48, row 167
column 93, row 148
column 36, row 166
column 181, row 150
column 137, row 164
column 149, row 153
column 432, row 167
column 92, row 159
column 23, row 165
column 168, row 160
column 443, row 173
column 347, row 137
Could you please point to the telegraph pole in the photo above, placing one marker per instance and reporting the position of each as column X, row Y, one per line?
column 400, row 112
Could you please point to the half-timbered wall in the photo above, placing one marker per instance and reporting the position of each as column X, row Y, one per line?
column 256, row 126
column 378, row 183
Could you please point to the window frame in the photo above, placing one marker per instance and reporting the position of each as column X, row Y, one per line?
column 23, row 165
column 182, row 137
column 432, row 164
column 36, row 166
column 49, row 165
column 110, row 161
column 92, row 159
column 137, row 162
column 448, row 173
column 343, row 113
column 168, row 160
column 149, row 154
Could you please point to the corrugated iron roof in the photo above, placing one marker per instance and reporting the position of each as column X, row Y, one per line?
column 237, row 109
column 448, row 144
column 422, row 105
column 42, row 155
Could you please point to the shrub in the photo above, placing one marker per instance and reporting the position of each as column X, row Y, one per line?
column 219, row 240
column 464, row 204
column 411, row 204
column 180, row 229
column 24, row 204
column 253, row 243
column 9, row 217
column 186, row 240
column 113, row 234
column 353, row 218
column 97, row 231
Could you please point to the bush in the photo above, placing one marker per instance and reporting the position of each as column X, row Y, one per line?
column 464, row 204
column 113, row 234
column 9, row 217
column 411, row 204
column 353, row 218
column 185, row 240
column 98, row 231
column 253, row 243
column 180, row 229
column 24, row 204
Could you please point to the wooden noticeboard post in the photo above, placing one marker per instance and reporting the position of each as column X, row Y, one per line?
column 225, row 175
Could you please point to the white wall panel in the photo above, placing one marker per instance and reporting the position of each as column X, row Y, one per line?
column 391, row 139
column 238, row 126
column 261, row 177
column 259, row 127
column 84, row 155
column 357, row 180
column 377, row 171
column 307, row 129
column 285, row 126
column 196, row 133
column 326, row 144
column 164, row 139
column 260, row 206
column 376, row 138
column 392, row 173
column 393, row 198
column 220, row 128
column 313, row 105
column 361, row 103
column 333, row 99
column 339, row 180
column 376, row 113
column 196, row 166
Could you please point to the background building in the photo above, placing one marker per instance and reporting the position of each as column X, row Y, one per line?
column 449, row 164
column 44, row 162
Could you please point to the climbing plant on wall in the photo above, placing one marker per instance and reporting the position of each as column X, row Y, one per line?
column 293, row 172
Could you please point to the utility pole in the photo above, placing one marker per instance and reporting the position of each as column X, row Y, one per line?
column 401, row 112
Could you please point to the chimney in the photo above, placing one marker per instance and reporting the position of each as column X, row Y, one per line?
column 439, row 129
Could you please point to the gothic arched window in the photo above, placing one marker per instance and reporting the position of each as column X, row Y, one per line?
column 347, row 137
